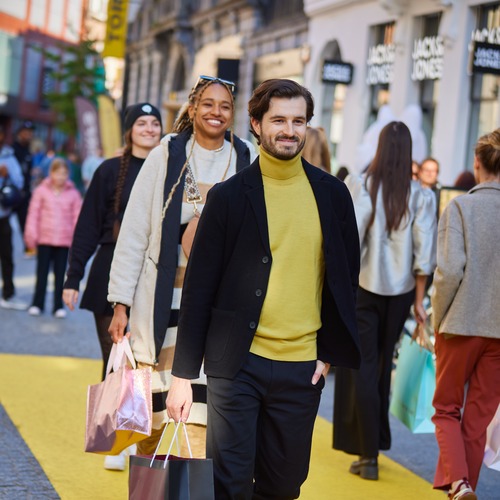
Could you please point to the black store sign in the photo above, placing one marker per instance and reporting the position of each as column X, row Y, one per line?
column 337, row 72
column 486, row 58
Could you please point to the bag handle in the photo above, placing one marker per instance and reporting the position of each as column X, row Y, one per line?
column 118, row 351
column 174, row 438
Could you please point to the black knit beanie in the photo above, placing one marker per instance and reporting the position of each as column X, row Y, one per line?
column 135, row 111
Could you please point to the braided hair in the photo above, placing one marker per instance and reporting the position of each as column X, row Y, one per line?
column 120, row 182
column 185, row 122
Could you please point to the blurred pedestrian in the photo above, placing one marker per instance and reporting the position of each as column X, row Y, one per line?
column 154, row 244
column 415, row 168
column 465, row 180
column 99, row 223
column 45, row 163
column 273, row 241
column 316, row 150
column 466, row 321
column 9, row 169
column 21, row 146
column 52, row 215
column 428, row 173
column 342, row 173
column 90, row 165
column 397, row 228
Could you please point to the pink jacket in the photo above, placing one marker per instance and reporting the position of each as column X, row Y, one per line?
column 52, row 217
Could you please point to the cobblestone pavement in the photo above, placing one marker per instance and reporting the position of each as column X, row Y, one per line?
column 21, row 477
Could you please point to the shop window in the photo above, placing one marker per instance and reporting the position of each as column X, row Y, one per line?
column 429, row 87
column 485, row 96
column 380, row 64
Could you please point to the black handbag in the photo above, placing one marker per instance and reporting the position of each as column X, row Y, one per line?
column 10, row 195
column 167, row 477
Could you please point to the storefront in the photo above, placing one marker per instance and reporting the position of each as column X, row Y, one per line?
column 436, row 64
column 485, row 75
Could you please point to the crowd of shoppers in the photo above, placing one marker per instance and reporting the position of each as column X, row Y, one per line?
column 240, row 298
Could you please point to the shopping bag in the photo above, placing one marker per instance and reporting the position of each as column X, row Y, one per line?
column 414, row 386
column 168, row 477
column 492, row 450
column 119, row 409
column 10, row 195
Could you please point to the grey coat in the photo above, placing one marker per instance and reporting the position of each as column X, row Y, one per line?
column 467, row 279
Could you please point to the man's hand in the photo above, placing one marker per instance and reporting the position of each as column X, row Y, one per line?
column 3, row 171
column 179, row 399
column 70, row 298
column 118, row 323
column 321, row 369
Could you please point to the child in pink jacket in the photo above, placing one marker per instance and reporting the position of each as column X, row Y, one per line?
column 52, row 215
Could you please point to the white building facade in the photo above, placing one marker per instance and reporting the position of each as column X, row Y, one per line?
column 432, row 63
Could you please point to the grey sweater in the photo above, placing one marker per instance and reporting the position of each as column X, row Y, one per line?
column 467, row 279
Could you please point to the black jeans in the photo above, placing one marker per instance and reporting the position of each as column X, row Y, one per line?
column 260, row 427
column 6, row 259
column 46, row 255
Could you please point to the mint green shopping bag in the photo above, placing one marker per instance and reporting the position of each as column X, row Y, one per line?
column 414, row 386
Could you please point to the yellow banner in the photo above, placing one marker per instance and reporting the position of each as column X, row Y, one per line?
column 109, row 124
column 116, row 29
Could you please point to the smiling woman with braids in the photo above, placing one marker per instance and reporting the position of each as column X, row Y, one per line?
column 154, row 243
column 99, row 222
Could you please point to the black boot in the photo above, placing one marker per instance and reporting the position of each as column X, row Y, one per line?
column 365, row 467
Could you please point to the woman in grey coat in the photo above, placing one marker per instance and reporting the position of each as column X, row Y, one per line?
column 466, row 319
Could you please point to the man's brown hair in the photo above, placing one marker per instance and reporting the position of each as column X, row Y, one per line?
column 276, row 87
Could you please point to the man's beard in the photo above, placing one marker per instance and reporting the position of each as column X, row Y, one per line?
column 283, row 152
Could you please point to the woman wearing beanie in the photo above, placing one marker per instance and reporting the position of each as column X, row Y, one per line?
column 99, row 223
column 152, row 250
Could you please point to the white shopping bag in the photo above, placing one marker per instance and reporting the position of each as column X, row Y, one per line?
column 492, row 450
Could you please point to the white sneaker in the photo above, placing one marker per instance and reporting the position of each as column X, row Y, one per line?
column 60, row 313
column 118, row 462
column 34, row 311
column 12, row 303
column 115, row 462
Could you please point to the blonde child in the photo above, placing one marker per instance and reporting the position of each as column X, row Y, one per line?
column 52, row 215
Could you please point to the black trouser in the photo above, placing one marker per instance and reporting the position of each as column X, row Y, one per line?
column 22, row 213
column 260, row 427
column 361, row 408
column 46, row 255
column 102, row 323
column 6, row 258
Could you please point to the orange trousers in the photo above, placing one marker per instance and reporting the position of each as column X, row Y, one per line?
column 461, row 419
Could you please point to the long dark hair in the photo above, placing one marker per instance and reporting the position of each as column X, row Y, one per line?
column 120, row 181
column 390, row 170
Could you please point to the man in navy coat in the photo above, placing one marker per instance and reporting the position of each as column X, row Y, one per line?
column 268, row 304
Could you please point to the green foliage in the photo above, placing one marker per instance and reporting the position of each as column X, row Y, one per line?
column 77, row 70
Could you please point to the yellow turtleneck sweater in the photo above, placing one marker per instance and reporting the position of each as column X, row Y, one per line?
column 291, row 313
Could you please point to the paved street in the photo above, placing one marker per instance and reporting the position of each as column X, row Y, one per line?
column 20, row 474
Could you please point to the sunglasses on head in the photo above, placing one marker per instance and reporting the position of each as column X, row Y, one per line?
column 214, row 79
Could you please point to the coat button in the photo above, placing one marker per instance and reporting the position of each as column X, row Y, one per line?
column 258, row 292
column 265, row 259
column 252, row 325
